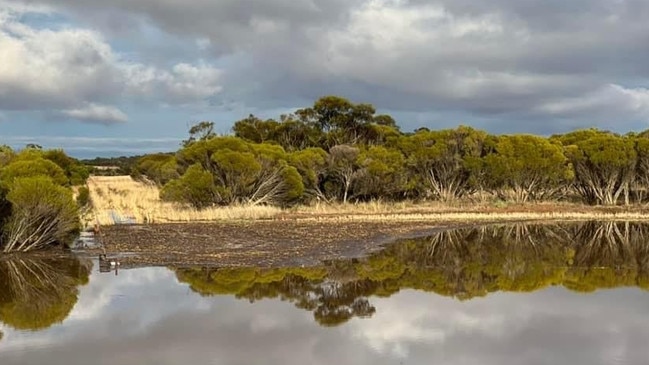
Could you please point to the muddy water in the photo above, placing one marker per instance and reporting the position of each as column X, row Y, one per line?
column 511, row 294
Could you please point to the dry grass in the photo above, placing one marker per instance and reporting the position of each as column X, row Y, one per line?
column 484, row 217
column 123, row 198
column 383, row 207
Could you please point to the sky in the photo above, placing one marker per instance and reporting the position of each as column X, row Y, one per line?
column 131, row 76
column 144, row 316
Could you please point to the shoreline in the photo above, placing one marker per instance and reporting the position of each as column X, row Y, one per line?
column 296, row 241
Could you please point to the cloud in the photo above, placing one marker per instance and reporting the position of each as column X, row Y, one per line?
column 76, row 73
column 499, row 63
column 97, row 113
column 184, row 83
column 605, row 102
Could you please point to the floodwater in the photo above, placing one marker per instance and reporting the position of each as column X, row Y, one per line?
column 510, row 294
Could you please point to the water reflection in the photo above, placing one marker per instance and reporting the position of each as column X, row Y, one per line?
column 463, row 264
column 333, row 300
column 36, row 293
column 510, row 294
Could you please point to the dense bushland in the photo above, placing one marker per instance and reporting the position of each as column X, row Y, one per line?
column 339, row 151
column 37, row 208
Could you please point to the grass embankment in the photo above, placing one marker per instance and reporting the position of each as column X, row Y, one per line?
column 122, row 198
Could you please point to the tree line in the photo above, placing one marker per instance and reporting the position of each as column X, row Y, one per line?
column 339, row 151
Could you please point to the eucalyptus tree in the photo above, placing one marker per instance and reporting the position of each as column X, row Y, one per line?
column 253, row 173
column 641, row 182
column 32, row 168
column 526, row 167
column 444, row 164
column 278, row 183
column 604, row 164
column 382, row 173
column 255, row 130
column 343, row 167
column 195, row 187
column 36, row 202
column 289, row 132
column 158, row 167
column 311, row 163
column 294, row 135
column 200, row 132
column 343, row 122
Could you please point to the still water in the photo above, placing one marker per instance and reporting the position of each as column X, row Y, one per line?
column 511, row 294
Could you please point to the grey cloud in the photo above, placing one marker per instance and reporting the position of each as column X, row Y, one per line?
column 232, row 24
column 508, row 59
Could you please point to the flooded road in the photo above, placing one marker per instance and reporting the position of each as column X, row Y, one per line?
column 509, row 294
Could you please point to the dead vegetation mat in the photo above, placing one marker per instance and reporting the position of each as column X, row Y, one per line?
column 255, row 243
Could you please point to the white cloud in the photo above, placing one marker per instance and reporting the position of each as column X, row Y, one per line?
column 21, row 8
column 193, row 81
column 75, row 72
column 97, row 113
column 393, row 25
column 52, row 67
column 185, row 83
column 610, row 101
column 401, row 323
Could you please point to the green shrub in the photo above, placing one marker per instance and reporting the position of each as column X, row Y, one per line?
column 42, row 213
column 83, row 197
column 32, row 168
column 195, row 187
column 160, row 168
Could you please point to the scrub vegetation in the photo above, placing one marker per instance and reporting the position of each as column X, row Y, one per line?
column 337, row 151
column 37, row 205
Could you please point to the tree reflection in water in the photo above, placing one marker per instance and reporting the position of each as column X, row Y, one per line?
column 36, row 293
column 462, row 263
column 465, row 263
